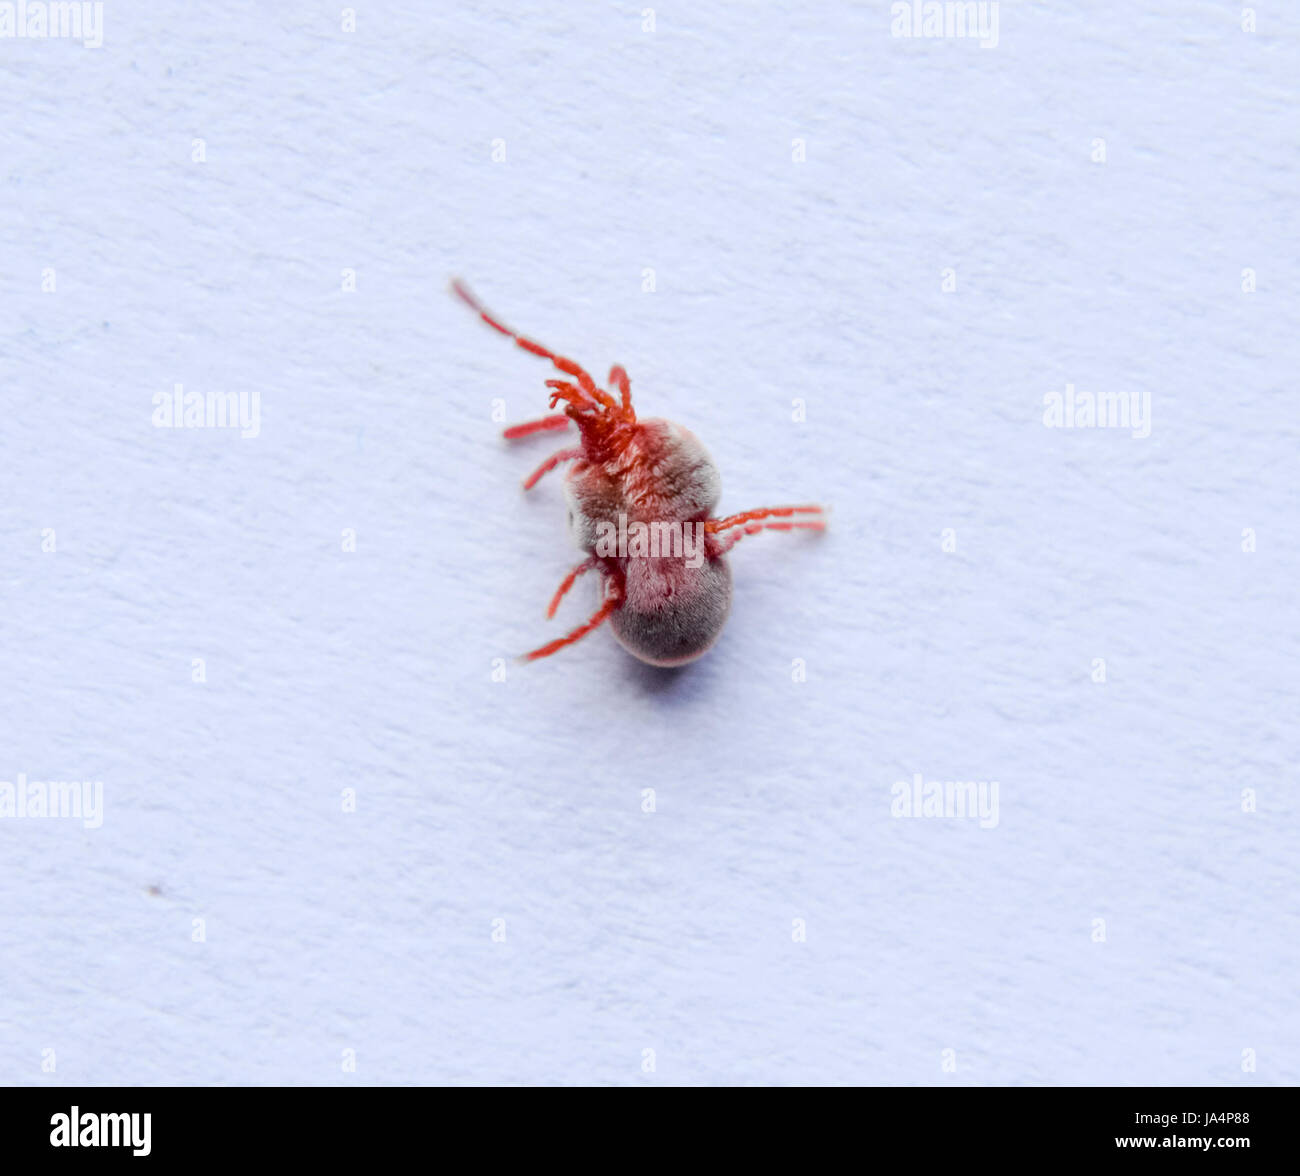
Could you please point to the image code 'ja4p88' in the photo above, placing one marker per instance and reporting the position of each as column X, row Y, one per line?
column 641, row 497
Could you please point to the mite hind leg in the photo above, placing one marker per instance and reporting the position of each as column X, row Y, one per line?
column 713, row 526
column 734, row 528
column 613, row 598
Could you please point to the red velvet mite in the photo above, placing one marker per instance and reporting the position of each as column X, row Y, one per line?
column 641, row 498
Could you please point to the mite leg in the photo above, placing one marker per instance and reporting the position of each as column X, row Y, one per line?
column 569, row 580
column 560, row 390
column 612, row 600
column 618, row 378
column 715, row 525
column 728, row 541
column 528, row 428
column 549, row 464
column 567, row 366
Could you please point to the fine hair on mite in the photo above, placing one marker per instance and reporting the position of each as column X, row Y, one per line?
column 647, row 478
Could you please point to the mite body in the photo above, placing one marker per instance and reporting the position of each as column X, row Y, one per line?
column 641, row 497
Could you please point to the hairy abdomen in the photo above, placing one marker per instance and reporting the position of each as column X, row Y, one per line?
column 672, row 613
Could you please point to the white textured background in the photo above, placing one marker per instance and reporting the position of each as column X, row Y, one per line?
column 521, row 800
